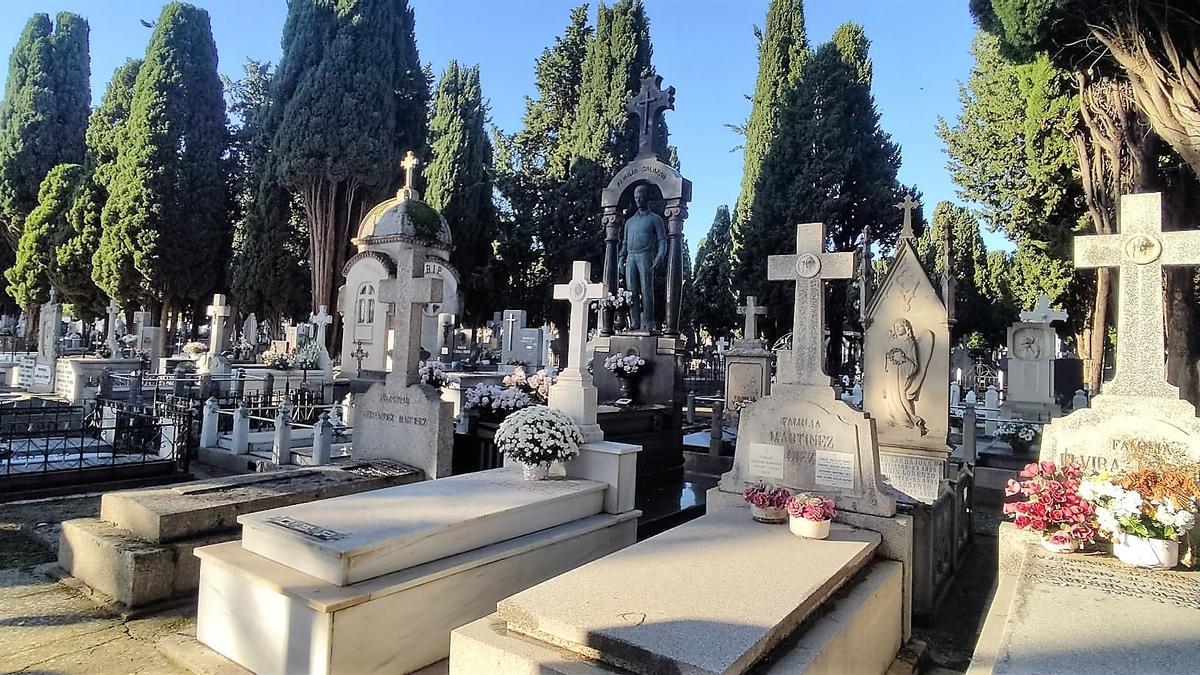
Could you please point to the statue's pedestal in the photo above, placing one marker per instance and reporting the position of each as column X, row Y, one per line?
column 654, row 419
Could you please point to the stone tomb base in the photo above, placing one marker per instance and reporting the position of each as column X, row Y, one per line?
column 375, row 582
column 716, row 595
column 139, row 551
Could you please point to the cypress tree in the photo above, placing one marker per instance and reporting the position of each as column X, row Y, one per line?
column 44, row 112
column 714, row 301
column 459, row 183
column 830, row 163
column 45, row 229
column 782, row 51
column 269, row 274
column 167, row 212
column 347, row 97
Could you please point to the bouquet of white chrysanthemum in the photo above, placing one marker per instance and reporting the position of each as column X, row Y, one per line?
column 431, row 373
column 539, row 435
column 621, row 299
column 1016, row 433
column 194, row 348
column 537, row 386
column 307, row 356
column 277, row 360
column 624, row 365
column 493, row 398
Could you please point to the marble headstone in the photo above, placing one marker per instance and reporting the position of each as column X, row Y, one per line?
column 1030, row 379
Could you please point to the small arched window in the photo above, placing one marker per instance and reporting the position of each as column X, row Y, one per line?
column 365, row 305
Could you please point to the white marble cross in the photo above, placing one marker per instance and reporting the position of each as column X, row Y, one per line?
column 321, row 319
column 1041, row 313
column 1140, row 251
column 808, row 267
column 722, row 344
column 908, row 205
column 408, row 293
column 111, row 341
column 580, row 291
column 752, row 311
column 216, row 332
column 409, row 164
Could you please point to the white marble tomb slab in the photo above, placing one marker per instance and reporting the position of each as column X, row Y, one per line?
column 348, row 539
column 640, row 608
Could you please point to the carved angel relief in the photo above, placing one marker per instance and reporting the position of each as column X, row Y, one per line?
column 906, row 362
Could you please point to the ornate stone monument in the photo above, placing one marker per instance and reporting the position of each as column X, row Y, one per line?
column 748, row 363
column 906, row 365
column 643, row 209
column 214, row 362
column 1137, row 408
column 1031, row 364
column 400, row 418
column 395, row 226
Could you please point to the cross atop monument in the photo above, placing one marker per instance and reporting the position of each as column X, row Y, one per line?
column 752, row 311
column 649, row 102
column 908, row 206
column 321, row 319
column 111, row 341
column 410, row 164
column 408, row 293
column 1140, row 251
column 216, row 331
column 1041, row 313
column 580, row 291
column 808, row 267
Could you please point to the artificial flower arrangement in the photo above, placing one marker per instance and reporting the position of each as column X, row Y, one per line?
column 624, row 365
column 768, row 503
column 185, row 368
column 741, row 402
column 307, row 356
column 1144, row 513
column 537, row 436
column 810, row 515
column 431, row 373
column 194, row 348
column 1019, row 435
column 277, row 360
column 1052, row 504
column 537, row 386
column 493, row 399
column 622, row 299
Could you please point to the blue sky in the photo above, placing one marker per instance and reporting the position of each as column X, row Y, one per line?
column 705, row 48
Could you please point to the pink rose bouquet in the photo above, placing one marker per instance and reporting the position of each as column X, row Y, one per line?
column 1048, row 502
column 811, row 507
column 765, row 497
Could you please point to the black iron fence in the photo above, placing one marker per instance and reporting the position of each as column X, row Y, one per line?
column 705, row 375
column 63, row 445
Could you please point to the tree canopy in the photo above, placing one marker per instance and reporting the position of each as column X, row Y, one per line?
column 714, row 303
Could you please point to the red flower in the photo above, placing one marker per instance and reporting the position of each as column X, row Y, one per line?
column 1048, row 466
column 1037, row 509
column 1083, row 533
column 1058, row 516
column 1046, row 498
column 1029, row 471
column 1012, row 488
column 1021, row 521
column 1037, row 523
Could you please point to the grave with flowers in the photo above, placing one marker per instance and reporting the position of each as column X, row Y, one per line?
column 1105, row 519
column 786, row 603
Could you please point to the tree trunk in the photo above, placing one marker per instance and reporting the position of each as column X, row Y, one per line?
column 32, row 319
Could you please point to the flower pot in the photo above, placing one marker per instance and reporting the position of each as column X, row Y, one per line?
column 625, row 387
column 1021, row 447
column 535, row 471
column 1144, row 552
column 809, row 529
column 771, row 516
column 1069, row 547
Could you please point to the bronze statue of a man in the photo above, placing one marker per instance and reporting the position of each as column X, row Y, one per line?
column 642, row 249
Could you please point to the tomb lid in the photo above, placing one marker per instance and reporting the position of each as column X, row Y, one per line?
column 406, row 217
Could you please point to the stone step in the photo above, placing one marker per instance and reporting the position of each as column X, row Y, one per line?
column 653, row 608
column 185, row 510
column 349, row 539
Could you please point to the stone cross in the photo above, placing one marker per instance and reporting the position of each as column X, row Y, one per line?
column 752, row 311
column 649, row 102
column 511, row 320
column 409, row 164
column 1042, row 313
column 408, row 293
column 580, row 291
column 722, row 344
column 216, row 332
column 808, row 267
column 1140, row 251
column 111, row 342
column 908, row 205
column 321, row 319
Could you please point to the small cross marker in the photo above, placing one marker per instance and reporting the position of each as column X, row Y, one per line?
column 1041, row 313
column 751, row 311
column 580, row 291
column 908, row 206
column 649, row 102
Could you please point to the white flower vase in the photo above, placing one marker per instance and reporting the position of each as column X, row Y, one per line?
column 1145, row 552
column 1069, row 547
column 771, row 516
column 535, row 471
column 809, row 529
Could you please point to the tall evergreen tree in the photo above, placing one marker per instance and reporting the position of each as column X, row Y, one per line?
column 44, row 112
column 46, row 228
column 459, row 184
column 782, row 52
column 830, row 163
column 714, row 302
column 349, row 98
column 269, row 274
column 168, row 207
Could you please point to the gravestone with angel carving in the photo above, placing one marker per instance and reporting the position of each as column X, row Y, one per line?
column 906, row 372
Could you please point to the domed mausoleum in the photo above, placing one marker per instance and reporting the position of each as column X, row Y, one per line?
column 402, row 223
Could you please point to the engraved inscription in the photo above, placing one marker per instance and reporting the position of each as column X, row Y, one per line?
column 306, row 528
